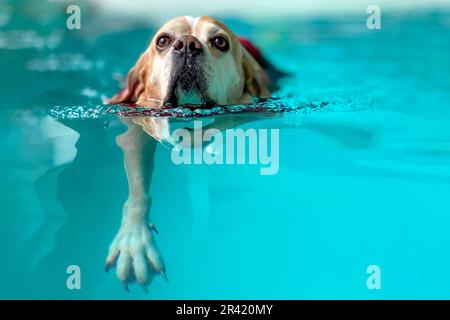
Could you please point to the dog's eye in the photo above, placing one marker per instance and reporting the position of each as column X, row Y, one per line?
column 220, row 43
column 163, row 42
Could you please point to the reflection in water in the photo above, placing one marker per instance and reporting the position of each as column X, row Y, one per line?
column 91, row 173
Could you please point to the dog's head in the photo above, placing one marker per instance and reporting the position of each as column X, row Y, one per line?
column 194, row 61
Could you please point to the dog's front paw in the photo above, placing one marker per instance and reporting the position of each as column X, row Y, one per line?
column 135, row 254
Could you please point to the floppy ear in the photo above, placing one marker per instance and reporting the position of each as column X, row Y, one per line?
column 136, row 81
column 256, row 79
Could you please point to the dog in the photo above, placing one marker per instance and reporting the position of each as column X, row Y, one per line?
column 190, row 61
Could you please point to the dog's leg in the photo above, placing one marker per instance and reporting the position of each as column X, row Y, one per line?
column 134, row 248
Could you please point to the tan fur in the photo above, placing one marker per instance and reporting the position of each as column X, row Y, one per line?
column 144, row 89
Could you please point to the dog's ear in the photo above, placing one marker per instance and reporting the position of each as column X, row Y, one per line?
column 256, row 79
column 136, row 81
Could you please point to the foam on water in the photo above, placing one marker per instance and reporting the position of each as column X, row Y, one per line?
column 129, row 110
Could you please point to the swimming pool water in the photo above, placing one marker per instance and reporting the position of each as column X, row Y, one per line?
column 365, row 180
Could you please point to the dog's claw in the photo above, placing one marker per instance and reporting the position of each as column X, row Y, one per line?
column 135, row 254
column 163, row 274
column 108, row 266
column 152, row 227
column 125, row 286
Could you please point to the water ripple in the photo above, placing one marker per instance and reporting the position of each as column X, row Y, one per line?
column 127, row 110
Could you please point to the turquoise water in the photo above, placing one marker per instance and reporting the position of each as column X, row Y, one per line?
column 363, row 180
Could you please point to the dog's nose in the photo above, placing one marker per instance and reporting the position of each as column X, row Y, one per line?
column 187, row 44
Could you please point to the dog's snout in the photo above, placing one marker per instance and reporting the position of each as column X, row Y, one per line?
column 187, row 44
